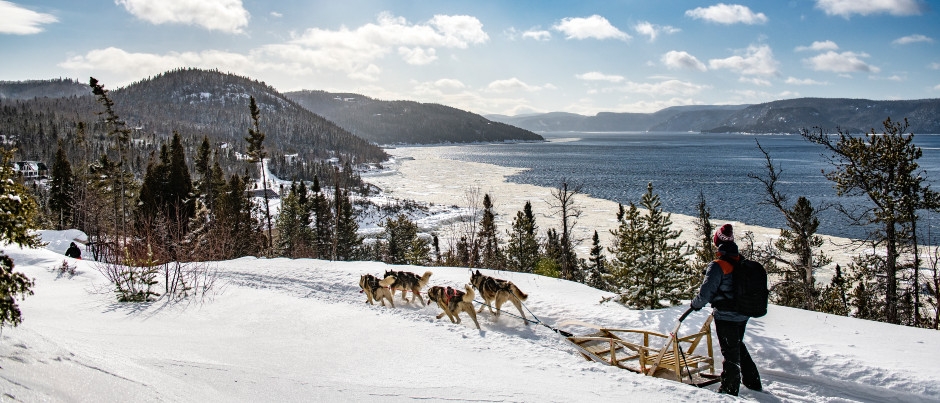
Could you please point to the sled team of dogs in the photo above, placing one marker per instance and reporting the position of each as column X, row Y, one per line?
column 494, row 291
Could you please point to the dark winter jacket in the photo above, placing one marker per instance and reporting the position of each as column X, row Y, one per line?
column 73, row 251
column 717, row 287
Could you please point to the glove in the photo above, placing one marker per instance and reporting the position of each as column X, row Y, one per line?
column 694, row 308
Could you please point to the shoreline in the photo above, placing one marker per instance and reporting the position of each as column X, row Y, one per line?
column 420, row 173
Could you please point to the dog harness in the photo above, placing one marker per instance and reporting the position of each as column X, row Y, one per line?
column 448, row 294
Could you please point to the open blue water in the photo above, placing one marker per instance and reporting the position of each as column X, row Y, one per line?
column 617, row 166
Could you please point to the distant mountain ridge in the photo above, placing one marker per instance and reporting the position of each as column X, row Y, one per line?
column 407, row 122
column 785, row 116
column 56, row 88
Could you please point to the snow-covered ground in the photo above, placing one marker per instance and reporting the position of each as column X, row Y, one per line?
column 299, row 330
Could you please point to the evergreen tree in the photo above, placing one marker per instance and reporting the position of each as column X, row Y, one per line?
column 833, row 298
column 403, row 245
column 597, row 273
column 121, row 134
column 522, row 249
column 651, row 265
column 179, row 196
column 290, row 227
column 491, row 256
column 348, row 241
column 61, row 189
column 238, row 231
column 882, row 168
column 323, row 236
column 17, row 217
column 256, row 154
column 705, row 252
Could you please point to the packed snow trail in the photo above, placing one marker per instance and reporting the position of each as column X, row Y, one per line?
column 300, row 330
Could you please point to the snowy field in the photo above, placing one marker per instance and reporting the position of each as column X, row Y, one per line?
column 299, row 330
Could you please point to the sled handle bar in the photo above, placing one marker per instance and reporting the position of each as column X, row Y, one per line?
column 685, row 314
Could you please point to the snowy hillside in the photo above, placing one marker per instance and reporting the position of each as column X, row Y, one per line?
column 299, row 330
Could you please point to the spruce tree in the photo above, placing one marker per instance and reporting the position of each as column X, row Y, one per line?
column 288, row 242
column 179, row 199
column 17, row 217
column 522, row 249
column 322, row 221
column 597, row 273
column 403, row 245
column 118, row 130
column 61, row 189
column 348, row 240
column 257, row 154
column 491, row 256
column 650, row 264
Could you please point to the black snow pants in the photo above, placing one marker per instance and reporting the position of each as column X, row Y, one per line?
column 737, row 365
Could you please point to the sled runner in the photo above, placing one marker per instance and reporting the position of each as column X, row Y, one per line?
column 638, row 351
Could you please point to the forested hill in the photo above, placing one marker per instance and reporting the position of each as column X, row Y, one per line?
column 407, row 122
column 786, row 116
column 193, row 102
column 214, row 103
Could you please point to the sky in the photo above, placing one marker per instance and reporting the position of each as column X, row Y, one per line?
column 504, row 57
column 298, row 330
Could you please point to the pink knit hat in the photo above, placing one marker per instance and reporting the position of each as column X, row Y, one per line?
column 724, row 234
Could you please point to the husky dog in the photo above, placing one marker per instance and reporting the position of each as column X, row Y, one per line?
column 408, row 281
column 453, row 302
column 496, row 292
column 377, row 290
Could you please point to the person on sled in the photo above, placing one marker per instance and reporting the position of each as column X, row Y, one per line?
column 73, row 251
column 718, row 289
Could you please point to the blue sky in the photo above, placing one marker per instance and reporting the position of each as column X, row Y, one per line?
column 488, row 56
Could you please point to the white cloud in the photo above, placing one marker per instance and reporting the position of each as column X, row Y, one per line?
column 757, row 60
column 727, row 14
column 934, row 66
column 21, row 21
column 276, row 14
column 214, row 15
column 937, row 88
column 682, row 60
column 896, row 78
column 369, row 73
column 539, row 35
column 912, row 39
column 663, row 88
column 845, row 8
column 136, row 65
column 805, row 81
column 449, row 84
column 845, row 62
column 514, row 84
column 417, row 55
column 652, row 30
column 353, row 50
column 597, row 76
column 756, row 81
column 818, row 46
column 595, row 26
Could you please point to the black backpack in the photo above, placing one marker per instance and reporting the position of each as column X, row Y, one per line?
column 750, row 288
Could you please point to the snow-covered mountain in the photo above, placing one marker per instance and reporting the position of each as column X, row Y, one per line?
column 300, row 330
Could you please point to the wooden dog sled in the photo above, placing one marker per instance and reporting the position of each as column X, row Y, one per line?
column 639, row 351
